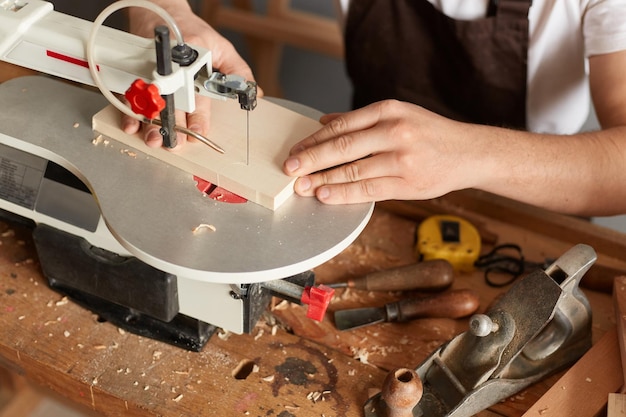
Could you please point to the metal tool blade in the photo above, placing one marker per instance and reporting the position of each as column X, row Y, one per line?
column 359, row 317
column 247, row 137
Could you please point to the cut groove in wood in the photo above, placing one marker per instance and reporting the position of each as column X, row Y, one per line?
column 273, row 131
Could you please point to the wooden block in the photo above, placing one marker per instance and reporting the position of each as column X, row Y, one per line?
column 616, row 406
column 273, row 131
column 583, row 390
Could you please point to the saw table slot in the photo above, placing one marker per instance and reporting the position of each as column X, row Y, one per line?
column 69, row 204
column 57, row 173
column 243, row 369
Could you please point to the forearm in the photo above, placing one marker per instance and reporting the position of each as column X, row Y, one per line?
column 583, row 174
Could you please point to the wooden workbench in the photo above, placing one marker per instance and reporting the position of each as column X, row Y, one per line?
column 289, row 365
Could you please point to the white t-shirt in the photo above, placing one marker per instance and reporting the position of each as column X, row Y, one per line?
column 562, row 34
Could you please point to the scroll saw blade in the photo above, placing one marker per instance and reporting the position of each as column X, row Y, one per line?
column 247, row 137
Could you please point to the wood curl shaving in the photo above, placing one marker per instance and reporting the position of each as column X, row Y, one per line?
column 203, row 226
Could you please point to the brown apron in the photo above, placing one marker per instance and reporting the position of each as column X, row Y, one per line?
column 472, row 71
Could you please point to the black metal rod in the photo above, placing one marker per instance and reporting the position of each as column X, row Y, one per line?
column 164, row 67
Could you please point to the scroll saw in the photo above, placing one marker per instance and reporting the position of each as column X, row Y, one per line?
column 117, row 234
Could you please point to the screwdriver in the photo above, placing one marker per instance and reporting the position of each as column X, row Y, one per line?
column 452, row 304
column 431, row 275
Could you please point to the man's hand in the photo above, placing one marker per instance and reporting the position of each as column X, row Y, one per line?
column 195, row 32
column 387, row 150
column 396, row 150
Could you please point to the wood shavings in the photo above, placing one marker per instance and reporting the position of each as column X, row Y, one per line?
column 128, row 152
column 224, row 335
column 259, row 334
column 8, row 233
column 63, row 301
column 269, row 378
column 519, row 397
column 384, row 350
column 66, row 333
column 99, row 347
column 121, row 331
column 156, row 355
column 182, row 372
column 177, row 399
column 316, row 396
column 360, row 354
column 202, row 227
column 97, row 140
column 27, row 261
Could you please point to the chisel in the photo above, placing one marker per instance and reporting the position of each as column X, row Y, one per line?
column 433, row 275
column 452, row 304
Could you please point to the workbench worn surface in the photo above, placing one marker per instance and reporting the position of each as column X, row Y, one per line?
column 288, row 366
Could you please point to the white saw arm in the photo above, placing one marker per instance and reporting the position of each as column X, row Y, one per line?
column 34, row 36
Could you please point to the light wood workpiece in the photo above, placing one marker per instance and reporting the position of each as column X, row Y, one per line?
column 289, row 365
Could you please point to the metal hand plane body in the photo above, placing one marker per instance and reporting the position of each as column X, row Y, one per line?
column 541, row 325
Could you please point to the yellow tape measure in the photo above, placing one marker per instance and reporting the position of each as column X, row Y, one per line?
column 451, row 238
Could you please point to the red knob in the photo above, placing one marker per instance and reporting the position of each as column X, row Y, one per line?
column 318, row 299
column 145, row 99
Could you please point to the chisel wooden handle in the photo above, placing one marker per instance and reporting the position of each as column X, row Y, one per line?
column 432, row 275
column 450, row 304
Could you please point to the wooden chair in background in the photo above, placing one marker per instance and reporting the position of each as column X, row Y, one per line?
column 267, row 33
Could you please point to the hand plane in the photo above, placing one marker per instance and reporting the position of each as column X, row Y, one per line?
column 538, row 327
